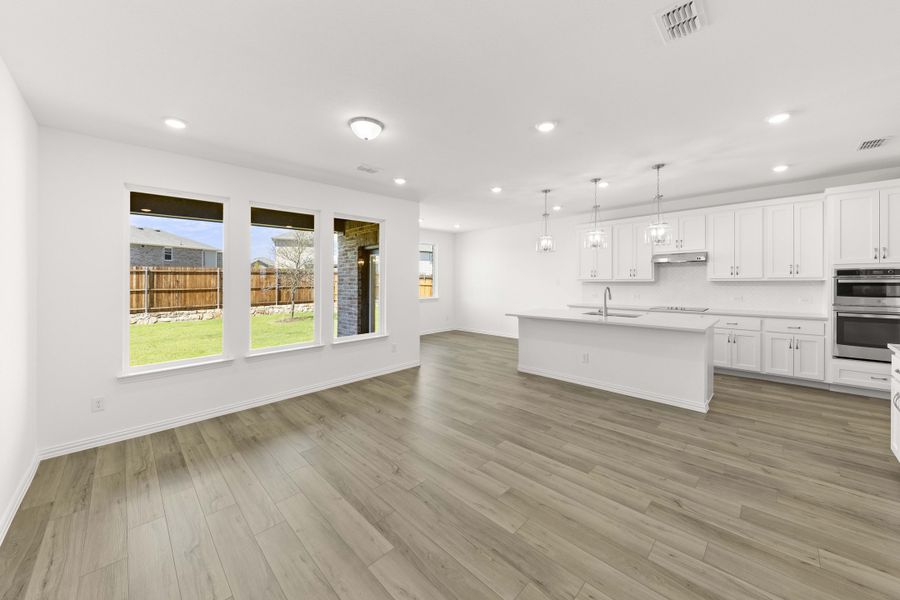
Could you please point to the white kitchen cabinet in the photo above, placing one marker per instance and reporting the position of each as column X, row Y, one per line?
column 688, row 234
column 594, row 264
column 631, row 257
column 794, row 243
column 736, row 244
column 801, row 356
column 857, row 227
column 736, row 349
column 895, row 405
column 889, row 230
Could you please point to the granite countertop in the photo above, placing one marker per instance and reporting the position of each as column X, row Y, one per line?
column 674, row 322
column 735, row 312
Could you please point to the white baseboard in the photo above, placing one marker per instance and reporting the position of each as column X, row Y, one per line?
column 618, row 389
column 819, row 385
column 487, row 332
column 439, row 330
column 9, row 512
column 133, row 432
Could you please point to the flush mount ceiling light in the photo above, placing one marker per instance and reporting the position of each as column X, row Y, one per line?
column 658, row 233
column 421, row 220
column 780, row 168
column 546, row 126
column 399, row 180
column 496, row 189
column 557, row 208
column 366, row 128
column 596, row 237
column 778, row 119
column 456, row 226
column 174, row 123
column 603, row 184
column 545, row 240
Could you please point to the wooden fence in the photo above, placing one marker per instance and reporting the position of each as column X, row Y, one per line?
column 159, row 289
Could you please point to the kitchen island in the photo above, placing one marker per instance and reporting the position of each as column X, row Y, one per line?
column 666, row 358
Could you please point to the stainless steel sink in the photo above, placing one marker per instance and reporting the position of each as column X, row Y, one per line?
column 597, row 313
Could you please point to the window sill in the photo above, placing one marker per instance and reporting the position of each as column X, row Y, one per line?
column 260, row 352
column 429, row 298
column 164, row 369
column 358, row 338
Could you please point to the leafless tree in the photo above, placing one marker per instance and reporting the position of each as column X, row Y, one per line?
column 294, row 263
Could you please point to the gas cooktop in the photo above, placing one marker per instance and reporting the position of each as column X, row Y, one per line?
column 691, row 309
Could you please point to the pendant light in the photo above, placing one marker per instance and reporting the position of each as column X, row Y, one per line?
column 545, row 240
column 596, row 237
column 658, row 233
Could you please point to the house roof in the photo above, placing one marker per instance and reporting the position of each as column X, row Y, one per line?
column 268, row 262
column 287, row 235
column 147, row 236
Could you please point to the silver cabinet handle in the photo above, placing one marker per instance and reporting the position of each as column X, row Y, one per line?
column 884, row 252
column 791, row 269
column 796, row 269
column 795, row 327
column 731, row 323
column 732, row 271
column 791, row 344
column 896, row 399
column 737, row 270
column 878, row 378
column 875, row 254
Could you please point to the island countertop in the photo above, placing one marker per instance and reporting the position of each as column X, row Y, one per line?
column 669, row 321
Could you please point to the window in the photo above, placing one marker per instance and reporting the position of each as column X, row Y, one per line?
column 427, row 287
column 358, row 307
column 175, row 298
column 282, row 278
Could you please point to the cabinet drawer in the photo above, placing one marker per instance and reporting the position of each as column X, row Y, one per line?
column 795, row 326
column 895, row 368
column 866, row 379
column 742, row 323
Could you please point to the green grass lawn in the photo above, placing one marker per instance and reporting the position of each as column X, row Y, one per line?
column 163, row 342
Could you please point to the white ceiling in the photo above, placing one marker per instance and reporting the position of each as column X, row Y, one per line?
column 271, row 84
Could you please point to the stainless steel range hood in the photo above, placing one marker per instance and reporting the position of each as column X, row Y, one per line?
column 677, row 258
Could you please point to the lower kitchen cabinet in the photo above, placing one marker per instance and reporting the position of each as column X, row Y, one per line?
column 735, row 349
column 895, row 406
column 800, row 356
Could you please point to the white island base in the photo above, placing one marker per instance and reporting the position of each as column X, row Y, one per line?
column 664, row 358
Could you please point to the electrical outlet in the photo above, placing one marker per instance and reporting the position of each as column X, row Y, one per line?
column 805, row 300
column 635, row 296
column 585, row 358
column 98, row 404
column 738, row 298
column 394, row 348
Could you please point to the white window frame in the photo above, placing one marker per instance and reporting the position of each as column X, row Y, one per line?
column 171, row 252
column 434, row 270
column 317, row 292
column 226, row 355
column 381, row 327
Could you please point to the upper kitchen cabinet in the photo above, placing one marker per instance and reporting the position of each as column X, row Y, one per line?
column 794, row 240
column 866, row 226
column 594, row 264
column 736, row 244
column 631, row 257
column 688, row 234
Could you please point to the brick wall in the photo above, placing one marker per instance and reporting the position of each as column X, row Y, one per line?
column 353, row 293
column 152, row 256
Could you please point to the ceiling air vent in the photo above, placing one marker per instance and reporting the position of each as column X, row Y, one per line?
column 367, row 168
column 681, row 20
column 871, row 144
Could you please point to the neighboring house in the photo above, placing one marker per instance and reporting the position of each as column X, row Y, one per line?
column 262, row 263
column 287, row 240
column 157, row 248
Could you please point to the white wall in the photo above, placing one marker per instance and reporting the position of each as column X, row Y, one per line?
column 18, row 325
column 437, row 314
column 83, row 209
column 498, row 271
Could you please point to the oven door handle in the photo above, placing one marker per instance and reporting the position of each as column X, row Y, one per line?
column 891, row 280
column 867, row 315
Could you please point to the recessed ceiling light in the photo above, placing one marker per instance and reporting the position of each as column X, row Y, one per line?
column 557, row 208
column 399, row 180
column 603, row 184
column 456, row 226
column 780, row 168
column 174, row 123
column 779, row 118
column 496, row 189
column 421, row 220
column 546, row 126
column 146, row 210
column 366, row 128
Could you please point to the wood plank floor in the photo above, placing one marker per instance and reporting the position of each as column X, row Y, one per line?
column 464, row 480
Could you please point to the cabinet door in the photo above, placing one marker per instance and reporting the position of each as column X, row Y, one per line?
column 587, row 258
column 809, row 243
column 692, row 233
column 604, row 257
column 721, row 246
column 895, row 419
column 623, row 251
column 809, row 357
column 779, row 250
column 722, row 347
column 745, row 353
column 779, row 354
column 643, row 257
column 857, row 229
column 748, row 243
column 890, row 225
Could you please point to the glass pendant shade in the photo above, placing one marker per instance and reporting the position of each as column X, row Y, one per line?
column 658, row 233
column 545, row 241
column 596, row 237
